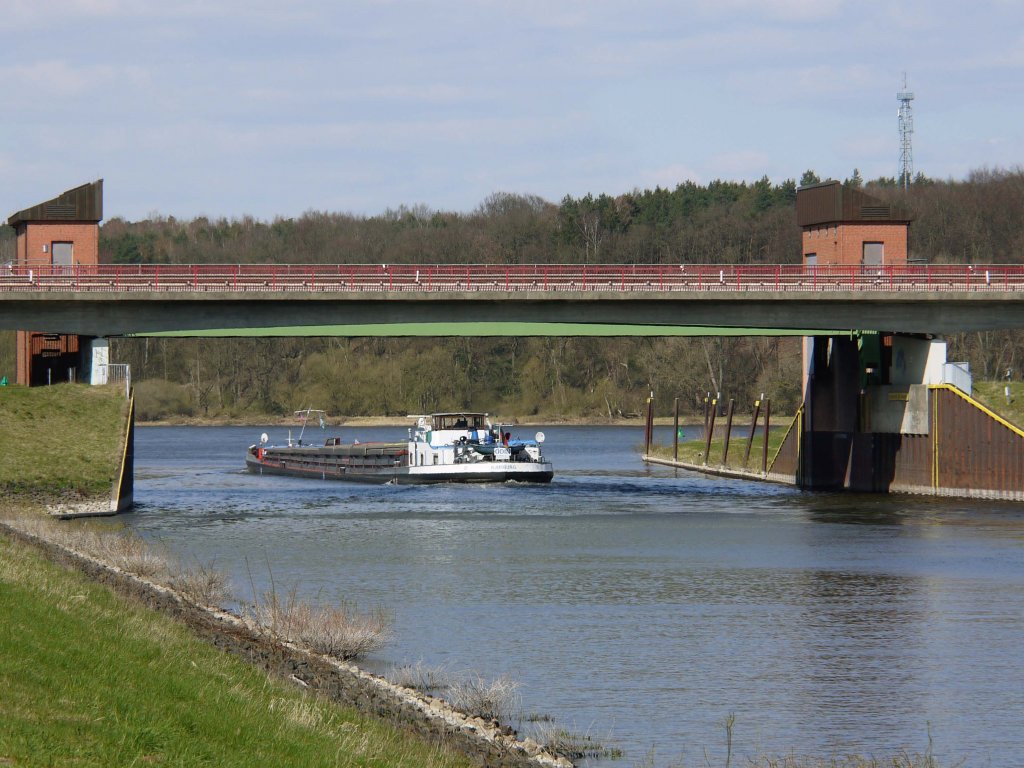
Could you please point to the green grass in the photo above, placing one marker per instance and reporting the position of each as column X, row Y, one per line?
column 692, row 451
column 992, row 394
column 92, row 679
column 59, row 441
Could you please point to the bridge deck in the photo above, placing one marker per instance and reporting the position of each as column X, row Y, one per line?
column 138, row 299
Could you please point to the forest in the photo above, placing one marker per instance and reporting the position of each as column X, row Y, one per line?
column 977, row 219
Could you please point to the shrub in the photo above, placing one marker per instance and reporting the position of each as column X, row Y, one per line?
column 494, row 700
column 420, row 677
column 202, row 584
column 341, row 631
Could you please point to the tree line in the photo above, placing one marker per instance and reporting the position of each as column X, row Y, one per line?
column 975, row 219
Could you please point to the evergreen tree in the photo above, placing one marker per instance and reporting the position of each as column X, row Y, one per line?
column 809, row 177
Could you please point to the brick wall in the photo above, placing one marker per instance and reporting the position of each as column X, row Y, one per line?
column 844, row 243
column 33, row 236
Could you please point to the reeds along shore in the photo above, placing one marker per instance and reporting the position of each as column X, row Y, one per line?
column 93, row 679
column 471, row 717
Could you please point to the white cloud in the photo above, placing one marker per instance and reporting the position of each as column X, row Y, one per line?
column 51, row 78
column 195, row 103
column 745, row 164
column 29, row 11
column 668, row 176
column 821, row 84
column 787, row 10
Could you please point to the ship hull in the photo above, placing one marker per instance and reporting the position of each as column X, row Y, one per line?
column 478, row 472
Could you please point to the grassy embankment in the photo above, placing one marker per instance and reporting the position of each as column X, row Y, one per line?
column 92, row 679
column 992, row 394
column 62, row 442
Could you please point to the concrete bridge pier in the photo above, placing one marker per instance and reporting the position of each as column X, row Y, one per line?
column 831, row 413
column 97, row 357
column 887, row 412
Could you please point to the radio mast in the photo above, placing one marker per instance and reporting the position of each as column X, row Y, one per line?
column 906, row 118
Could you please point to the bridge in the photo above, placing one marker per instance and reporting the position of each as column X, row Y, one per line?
column 878, row 413
column 446, row 299
column 881, row 411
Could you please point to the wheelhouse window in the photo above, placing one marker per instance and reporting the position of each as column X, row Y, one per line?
column 459, row 421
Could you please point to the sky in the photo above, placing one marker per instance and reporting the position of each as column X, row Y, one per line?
column 275, row 108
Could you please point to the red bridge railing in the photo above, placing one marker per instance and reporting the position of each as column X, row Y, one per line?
column 448, row 278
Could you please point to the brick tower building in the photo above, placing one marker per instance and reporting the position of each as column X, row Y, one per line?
column 59, row 235
column 845, row 226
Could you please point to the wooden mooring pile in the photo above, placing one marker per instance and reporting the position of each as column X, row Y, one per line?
column 761, row 411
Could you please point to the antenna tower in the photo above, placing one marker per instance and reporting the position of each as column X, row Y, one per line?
column 906, row 117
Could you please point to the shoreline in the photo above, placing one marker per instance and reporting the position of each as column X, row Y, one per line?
column 482, row 740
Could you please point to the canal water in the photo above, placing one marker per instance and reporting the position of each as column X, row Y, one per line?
column 642, row 606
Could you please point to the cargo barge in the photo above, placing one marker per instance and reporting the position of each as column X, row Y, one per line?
column 458, row 447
